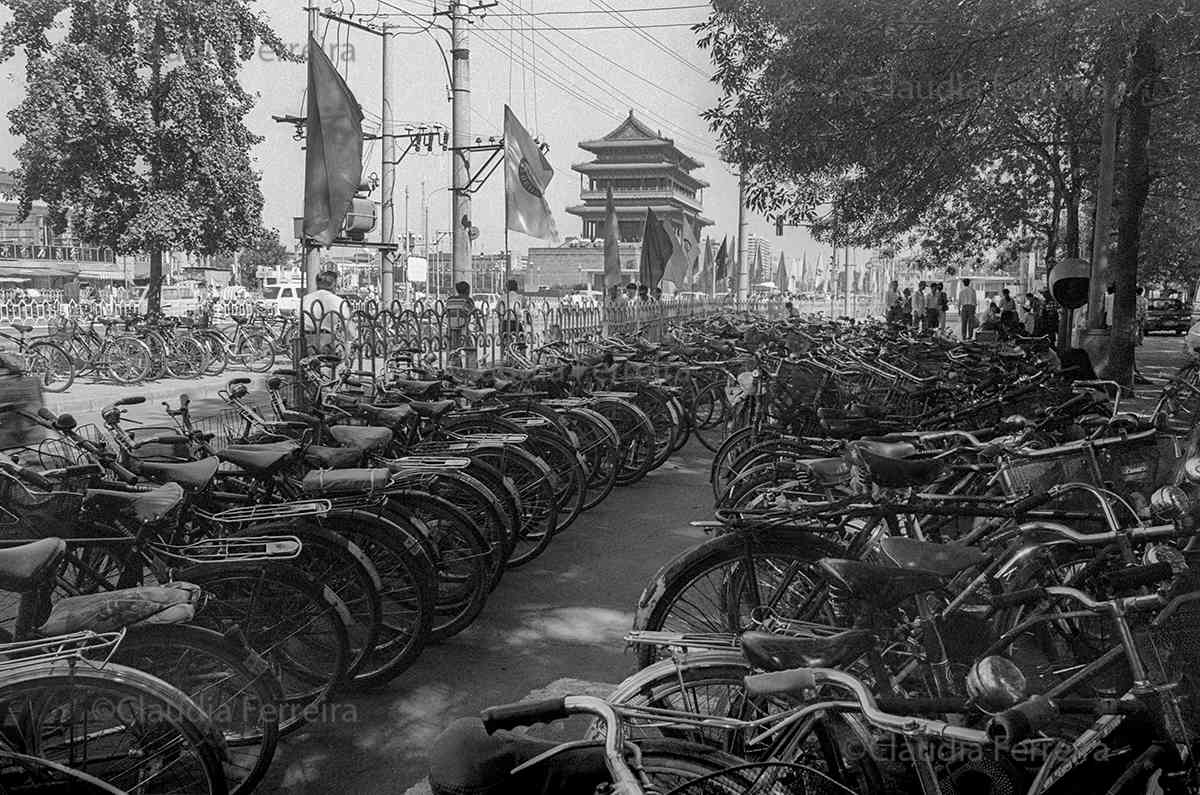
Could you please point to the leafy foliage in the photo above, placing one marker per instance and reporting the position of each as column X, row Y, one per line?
column 264, row 251
column 133, row 123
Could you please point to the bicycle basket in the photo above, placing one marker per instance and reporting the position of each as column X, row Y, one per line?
column 1141, row 463
column 24, row 513
column 760, row 778
column 1035, row 471
column 1171, row 652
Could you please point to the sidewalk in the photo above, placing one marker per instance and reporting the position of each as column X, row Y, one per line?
column 88, row 397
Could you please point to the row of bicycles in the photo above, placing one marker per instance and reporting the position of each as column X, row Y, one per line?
column 180, row 595
column 131, row 350
column 932, row 567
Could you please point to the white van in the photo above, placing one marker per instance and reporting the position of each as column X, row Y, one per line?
column 176, row 300
column 283, row 297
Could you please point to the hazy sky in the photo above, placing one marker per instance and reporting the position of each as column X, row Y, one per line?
column 554, row 81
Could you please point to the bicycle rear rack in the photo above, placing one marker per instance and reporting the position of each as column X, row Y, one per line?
column 714, row 641
column 85, row 645
column 496, row 438
column 420, row 462
column 274, row 512
column 246, row 549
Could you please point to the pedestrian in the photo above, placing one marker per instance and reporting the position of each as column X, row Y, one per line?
column 933, row 303
column 1141, row 309
column 656, row 295
column 510, row 325
column 1047, row 325
column 327, row 316
column 943, row 305
column 906, row 310
column 643, row 294
column 792, row 311
column 1008, row 311
column 919, row 301
column 890, row 297
column 1110, row 293
column 631, row 292
column 1033, row 308
column 967, row 301
column 459, row 308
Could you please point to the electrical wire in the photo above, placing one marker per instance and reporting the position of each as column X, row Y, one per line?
column 624, row 11
column 533, row 53
column 640, row 30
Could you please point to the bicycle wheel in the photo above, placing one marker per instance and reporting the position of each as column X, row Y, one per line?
column 636, row 434
column 127, row 360
column 337, row 562
column 228, row 681
column 51, row 364
column 599, row 444
column 120, row 725
column 298, row 626
column 407, row 597
column 253, row 350
column 720, row 471
column 537, row 493
column 21, row 774
column 708, row 415
column 724, row 584
column 184, row 357
column 663, row 419
column 461, row 559
column 215, row 349
column 570, row 478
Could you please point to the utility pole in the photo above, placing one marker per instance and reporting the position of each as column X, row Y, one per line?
column 743, row 283
column 460, row 126
column 1104, row 196
column 387, row 223
column 430, row 273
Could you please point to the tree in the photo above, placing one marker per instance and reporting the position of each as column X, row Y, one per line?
column 133, row 123
column 264, row 251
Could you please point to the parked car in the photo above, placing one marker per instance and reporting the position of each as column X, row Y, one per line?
column 1168, row 314
column 282, row 297
column 175, row 300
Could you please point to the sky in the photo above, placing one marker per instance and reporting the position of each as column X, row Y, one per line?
column 574, row 82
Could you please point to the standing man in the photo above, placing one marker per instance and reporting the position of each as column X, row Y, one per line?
column 1142, row 308
column 933, row 307
column 967, row 301
column 919, row 301
column 631, row 292
column 510, row 325
column 890, row 297
column 326, row 316
column 459, row 308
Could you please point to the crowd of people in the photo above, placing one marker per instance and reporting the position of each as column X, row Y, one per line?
column 924, row 308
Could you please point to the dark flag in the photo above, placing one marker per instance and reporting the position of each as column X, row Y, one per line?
column 657, row 249
column 612, row 243
column 722, row 261
column 782, row 276
column 333, row 148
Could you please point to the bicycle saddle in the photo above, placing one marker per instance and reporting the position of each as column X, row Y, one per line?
column 360, row 437
column 108, row 321
column 476, row 395
column 108, row 611
column 944, row 560
column 889, row 465
column 23, row 567
column 190, row 474
column 390, row 416
column 827, row 471
column 144, row 506
column 22, row 327
column 342, row 481
column 417, row 389
column 257, row 461
column 332, row 457
column 881, row 587
column 435, row 410
column 772, row 652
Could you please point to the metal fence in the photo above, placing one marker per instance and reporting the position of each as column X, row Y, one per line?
column 376, row 333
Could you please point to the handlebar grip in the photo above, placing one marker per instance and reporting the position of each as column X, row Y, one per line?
column 1016, row 598
column 512, row 716
column 1022, row 721
column 132, row 400
column 46, row 414
column 775, row 683
column 1033, row 501
column 121, row 472
column 897, row 705
column 1133, row 577
column 77, row 471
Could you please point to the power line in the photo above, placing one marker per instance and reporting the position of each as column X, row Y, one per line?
column 591, row 76
column 626, row 11
column 616, row 14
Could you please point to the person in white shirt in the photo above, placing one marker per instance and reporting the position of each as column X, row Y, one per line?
column 510, row 324
column 967, row 301
column 919, row 301
column 327, row 316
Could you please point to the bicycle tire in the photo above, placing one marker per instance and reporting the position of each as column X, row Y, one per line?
column 570, row 479
column 637, row 437
column 684, row 432
column 167, row 651
column 663, row 419
column 599, row 444
column 172, row 721
column 254, row 351
column 303, row 616
column 56, row 365
column 22, row 774
column 215, row 346
column 463, row 579
column 128, row 360
column 534, row 482
column 717, row 562
column 734, row 445
column 184, row 356
column 709, row 413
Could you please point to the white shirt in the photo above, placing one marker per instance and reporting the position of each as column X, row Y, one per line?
column 966, row 297
column 920, row 300
column 329, row 310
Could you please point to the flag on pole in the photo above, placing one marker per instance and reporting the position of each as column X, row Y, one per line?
column 527, row 174
column 687, row 250
column 722, row 261
column 804, row 270
column 658, row 247
column 758, row 273
column 612, row 243
column 333, row 149
column 781, row 277
column 706, row 274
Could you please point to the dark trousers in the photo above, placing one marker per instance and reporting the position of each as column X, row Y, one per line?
column 931, row 318
column 967, row 320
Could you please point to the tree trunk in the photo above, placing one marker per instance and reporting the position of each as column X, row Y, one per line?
column 1141, row 76
column 1052, row 233
column 1072, row 197
column 154, row 290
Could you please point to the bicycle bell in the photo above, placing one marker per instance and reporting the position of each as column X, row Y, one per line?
column 1165, row 553
column 1169, row 503
column 1191, row 469
column 995, row 683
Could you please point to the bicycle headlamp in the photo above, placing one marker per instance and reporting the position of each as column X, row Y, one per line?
column 1169, row 502
column 1191, row 469
column 995, row 683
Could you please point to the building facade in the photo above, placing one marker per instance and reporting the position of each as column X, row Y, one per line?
column 645, row 170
